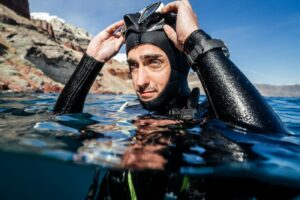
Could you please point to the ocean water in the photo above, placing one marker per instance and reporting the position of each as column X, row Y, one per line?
column 56, row 156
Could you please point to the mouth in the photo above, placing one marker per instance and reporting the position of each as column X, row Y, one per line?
column 146, row 94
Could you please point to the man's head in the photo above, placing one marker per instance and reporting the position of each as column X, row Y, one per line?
column 159, row 70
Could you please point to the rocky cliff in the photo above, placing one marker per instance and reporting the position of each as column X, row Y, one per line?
column 279, row 90
column 41, row 54
column 21, row 7
column 264, row 89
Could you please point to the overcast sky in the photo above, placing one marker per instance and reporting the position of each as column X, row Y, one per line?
column 263, row 36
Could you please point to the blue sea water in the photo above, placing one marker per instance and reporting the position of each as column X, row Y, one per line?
column 61, row 151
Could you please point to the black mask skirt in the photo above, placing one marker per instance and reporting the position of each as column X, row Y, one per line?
column 176, row 92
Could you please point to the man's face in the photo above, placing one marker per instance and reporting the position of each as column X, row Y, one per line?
column 150, row 70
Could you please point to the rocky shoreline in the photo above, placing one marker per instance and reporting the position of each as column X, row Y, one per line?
column 264, row 89
column 39, row 56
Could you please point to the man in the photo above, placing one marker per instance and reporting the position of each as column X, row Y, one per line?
column 157, row 52
column 157, row 62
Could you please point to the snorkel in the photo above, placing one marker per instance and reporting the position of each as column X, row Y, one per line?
column 146, row 27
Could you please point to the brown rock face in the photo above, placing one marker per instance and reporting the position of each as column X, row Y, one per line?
column 21, row 7
column 45, row 27
column 73, row 46
column 40, row 56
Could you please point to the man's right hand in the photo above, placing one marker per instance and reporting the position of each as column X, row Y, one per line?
column 107, row 43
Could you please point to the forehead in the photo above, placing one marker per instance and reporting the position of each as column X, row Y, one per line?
column 143, row 50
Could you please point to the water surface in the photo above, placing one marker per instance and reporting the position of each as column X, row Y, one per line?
column 106, row 138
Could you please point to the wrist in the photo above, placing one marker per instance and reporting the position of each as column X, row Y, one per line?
column 198, row 44
column 94, row 55
column 188, row 32
column 193, row 39
column 86, row 58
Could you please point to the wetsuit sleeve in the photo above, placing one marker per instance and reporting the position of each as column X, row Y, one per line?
column 233, row 98
column 72, row 98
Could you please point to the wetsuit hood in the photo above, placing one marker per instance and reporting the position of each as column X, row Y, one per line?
column 176, row 91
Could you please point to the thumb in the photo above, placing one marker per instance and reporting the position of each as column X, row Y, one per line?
column 118, row 43
column 171, row 34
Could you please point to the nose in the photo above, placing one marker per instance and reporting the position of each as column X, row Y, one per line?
column 143, row 77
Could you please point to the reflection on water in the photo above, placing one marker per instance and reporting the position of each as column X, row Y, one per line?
column 177, row 159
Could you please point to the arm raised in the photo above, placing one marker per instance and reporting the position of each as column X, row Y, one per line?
column 232, row 96
column 102, row 48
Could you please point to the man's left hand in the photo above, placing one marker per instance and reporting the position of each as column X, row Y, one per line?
column 186, row 22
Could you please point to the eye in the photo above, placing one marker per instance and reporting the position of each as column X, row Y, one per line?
column 133, row 66
column 155, row 63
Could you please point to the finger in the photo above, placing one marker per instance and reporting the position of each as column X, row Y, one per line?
column 187, row 3
column 117, row 34
column 112, row 28
column 171, row 34
column 118, row 44
column 108, row 31
column 170, row 7
column 123, row 39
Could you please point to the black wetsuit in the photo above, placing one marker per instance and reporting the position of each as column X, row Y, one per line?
column 231, row 96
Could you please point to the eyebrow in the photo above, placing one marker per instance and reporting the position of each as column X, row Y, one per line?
column 145, row 57
column 130, row 61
